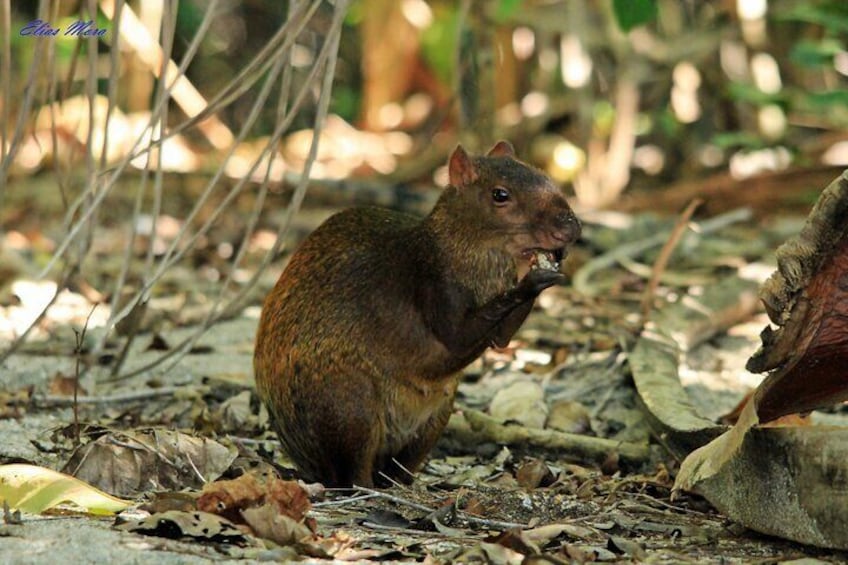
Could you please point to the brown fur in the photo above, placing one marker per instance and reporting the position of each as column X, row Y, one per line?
column 362, row 340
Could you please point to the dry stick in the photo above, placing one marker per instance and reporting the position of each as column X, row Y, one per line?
column 126, row 263
column 330, row 56
column 394, row 498
column 187, row 343
column 62, row 177
column 157, row 115
column 134, row 152
column 19, row 340
column 130, row 156
column 459, row 513
column 80, row 339
column 343, row 501
column 665, row 254
column 587, row 448
column 580, row 282
column 90, row 168
column 48, row 400
column 26, row 105
column 262, row 191
column 168, row 25
column 281, row 42
column 171, row 255
column 5, row 76
column 151, row 54
column 112, row 86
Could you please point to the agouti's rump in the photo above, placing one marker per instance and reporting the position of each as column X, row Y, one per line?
column 362, row 340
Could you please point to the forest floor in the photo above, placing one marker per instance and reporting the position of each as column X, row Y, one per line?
column 482, row 497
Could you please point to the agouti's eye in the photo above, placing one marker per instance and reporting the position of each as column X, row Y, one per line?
column 500, row 195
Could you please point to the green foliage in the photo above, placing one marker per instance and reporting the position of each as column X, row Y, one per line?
column 668, row 124
column 812, row 54
column 189, row 18
column 738, row 140
column 633, row 13
column 838, row 98
column 833, row 16
column 603, row 116
column 346, row 101
column 741, row 92
column 438, row 42
column 355, row 14
column 506, row 8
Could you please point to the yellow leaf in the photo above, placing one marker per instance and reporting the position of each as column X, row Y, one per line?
column 36, row 489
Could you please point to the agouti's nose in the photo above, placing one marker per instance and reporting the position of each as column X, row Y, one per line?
column 569, row 228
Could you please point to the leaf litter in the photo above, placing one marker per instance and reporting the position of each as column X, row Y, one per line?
column 567, row 470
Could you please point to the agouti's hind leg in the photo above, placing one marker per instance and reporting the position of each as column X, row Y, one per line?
column 337, row 438
column 413, row 455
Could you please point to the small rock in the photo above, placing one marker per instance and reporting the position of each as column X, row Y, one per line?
column 569, row 416
column 523, row 402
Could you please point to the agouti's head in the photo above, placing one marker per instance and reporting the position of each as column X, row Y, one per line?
column 514, row 205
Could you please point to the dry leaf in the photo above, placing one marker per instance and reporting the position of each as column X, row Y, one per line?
column 281, row 529
column 230, row 498
column 129, row 463
column 175, row 524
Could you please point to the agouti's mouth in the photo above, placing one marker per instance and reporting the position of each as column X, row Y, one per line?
column 545, row 258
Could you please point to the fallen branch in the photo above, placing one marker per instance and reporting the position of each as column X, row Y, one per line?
column 459, row 513
column 581, row 279
column 583, row 448
column 665, row 254
column 49, row 400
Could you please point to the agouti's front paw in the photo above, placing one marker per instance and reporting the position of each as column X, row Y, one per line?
column 537, row 280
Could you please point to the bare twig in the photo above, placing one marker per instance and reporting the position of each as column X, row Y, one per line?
column 586, row 448
column 581, row 279
column 80, row 342
column 396, row 499
column 157, row 60
column 344, row 501
column 665, row 254
column 460, row 514
column 326, row 62
column 180, row 244
column 83, row 204
column 19, row 340
column 5, row 76
column 26, row 104
column 134, row 396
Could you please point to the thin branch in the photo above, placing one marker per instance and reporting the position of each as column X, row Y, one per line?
column 5, row 76
column 26, row 106
column 581, row 283
column 19, row 340
column 665, row 255
column 50, row 401
column 329, row 54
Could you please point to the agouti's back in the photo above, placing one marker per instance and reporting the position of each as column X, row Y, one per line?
column 361, row 341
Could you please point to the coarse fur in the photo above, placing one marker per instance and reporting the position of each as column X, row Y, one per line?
column 361, row 342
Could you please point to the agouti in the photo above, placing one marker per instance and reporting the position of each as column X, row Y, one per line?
column 361, row 342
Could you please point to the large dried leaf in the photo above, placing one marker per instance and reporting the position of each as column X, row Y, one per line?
column 36, row 489
column 129, row 463
column 199, row 526
column 808, row 300
column 792, row 481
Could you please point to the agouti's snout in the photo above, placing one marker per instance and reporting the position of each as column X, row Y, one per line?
column 569, row 228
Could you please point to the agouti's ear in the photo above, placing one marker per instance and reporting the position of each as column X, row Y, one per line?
column 502, row 148
column 461, row 170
